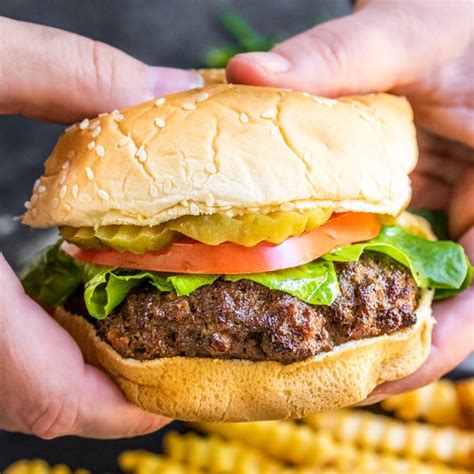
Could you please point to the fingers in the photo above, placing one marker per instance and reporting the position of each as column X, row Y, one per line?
column 105, row 413
column 461, row 208
column 382, row 45
column 45, row 387
column 46, row 73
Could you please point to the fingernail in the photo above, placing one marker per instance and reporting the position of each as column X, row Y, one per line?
column 272, row 63
column 167, row 80
column 371, row 399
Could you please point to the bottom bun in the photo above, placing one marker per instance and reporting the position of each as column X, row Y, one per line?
column 205, row 389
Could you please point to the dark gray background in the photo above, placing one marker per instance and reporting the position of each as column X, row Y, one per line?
column 159, row 32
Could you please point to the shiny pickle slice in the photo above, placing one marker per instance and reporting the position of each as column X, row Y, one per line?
column 247, row 230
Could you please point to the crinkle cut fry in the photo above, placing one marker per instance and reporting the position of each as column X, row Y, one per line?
column 367, row 430
column 217, row 455
column 39, row 466
column 283, row 440
column 294, row 443
column 145, row 462
column 437, row 403
column 465, row 393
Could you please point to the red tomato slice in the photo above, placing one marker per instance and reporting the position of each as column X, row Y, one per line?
column 190, row 256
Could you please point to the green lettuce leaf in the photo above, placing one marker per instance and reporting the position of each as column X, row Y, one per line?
column 51, row 276
column 313, row 283
column 434, row 264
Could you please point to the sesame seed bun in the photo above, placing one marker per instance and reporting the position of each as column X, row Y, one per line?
column 205, row 389
column 229, row 148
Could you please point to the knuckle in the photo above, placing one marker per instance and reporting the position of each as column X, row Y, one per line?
column 331, row 47
column 53, row 418
column 97, row 63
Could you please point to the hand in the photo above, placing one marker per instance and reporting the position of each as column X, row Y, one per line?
column 45, row 386
column 422, row 52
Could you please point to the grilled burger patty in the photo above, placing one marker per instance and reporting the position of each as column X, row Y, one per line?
column 245, row 320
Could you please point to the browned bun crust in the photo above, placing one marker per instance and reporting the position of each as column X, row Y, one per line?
column 204, row 389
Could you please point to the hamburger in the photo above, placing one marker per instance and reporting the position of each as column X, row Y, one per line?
column 240, row 253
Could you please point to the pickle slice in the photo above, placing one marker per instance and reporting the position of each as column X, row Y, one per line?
column 247, row 230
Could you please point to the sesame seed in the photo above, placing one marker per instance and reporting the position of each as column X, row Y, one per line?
column 194, row 209
column 41, row 189
column 210, row 200
column 306, row 94
column 159, row 122
column 244, row 117
column 118, row 117
column 364, row 115
column 89, row 173
column 142, row 156
column 184, row 203
column 84, row 124
column 211, row 168
column 65, row 165
column 103, row 114
column 94, row 124
column 84, row 197
column 153, row 190
column 229, row 213
column 189, row 106
column 34, row 212
column 75, row 191
column 37, row 183
column 286, row 206
column 268, row 114
column 27, row 204
column 253, row 210
column 325, row 101
column 100, row 151
column 141, row 153
column 91, row 145
column 55, row 202
column 70, row 154
column 160, row 101
column 67, row 207
column 103, row 194
column 62, row 178
column 124, row 141
column 63, row 191
column 114, row 112
column 202, row 96
column 71, row 128
column 167, row 186
column 274, row 130
column 96, row 131
column 34, row 198
column 307, row 156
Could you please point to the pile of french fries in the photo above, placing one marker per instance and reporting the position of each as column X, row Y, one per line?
column 432, row 431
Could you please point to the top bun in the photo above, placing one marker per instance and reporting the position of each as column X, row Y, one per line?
column 229, row 148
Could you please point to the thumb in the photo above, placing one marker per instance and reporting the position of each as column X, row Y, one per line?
column 380, row 46
column 46, row 73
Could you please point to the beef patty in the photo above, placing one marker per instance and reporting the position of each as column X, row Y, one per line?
column 245, row 320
